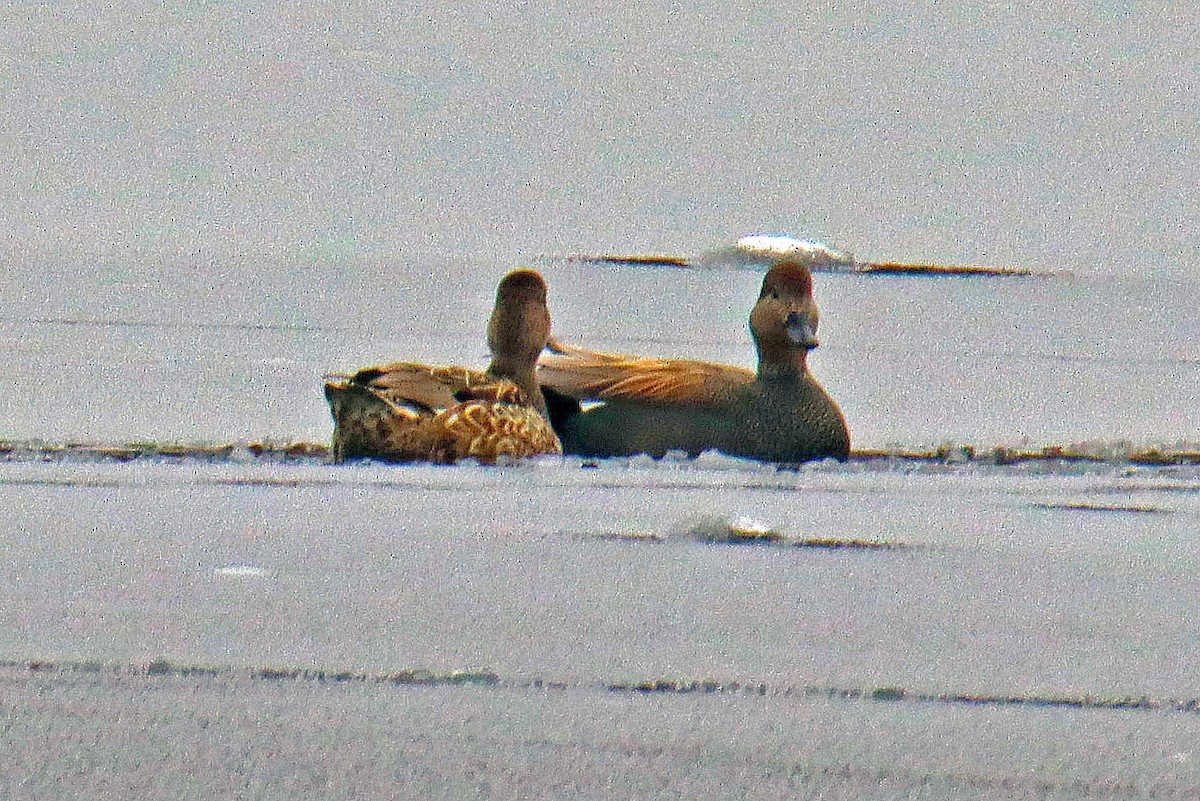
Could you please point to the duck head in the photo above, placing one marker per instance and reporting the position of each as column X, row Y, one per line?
column 519, row 328
column 784, row 320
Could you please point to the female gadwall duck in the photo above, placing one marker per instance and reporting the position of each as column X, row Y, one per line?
column 779, row 414
column 406, row 412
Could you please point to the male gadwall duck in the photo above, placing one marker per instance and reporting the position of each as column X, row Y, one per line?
column 406, row 412
column 779, row 414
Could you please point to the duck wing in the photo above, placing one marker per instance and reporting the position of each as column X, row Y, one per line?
column 403, row 383
column 592, row 375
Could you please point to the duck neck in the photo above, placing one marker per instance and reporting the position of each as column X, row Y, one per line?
column 785, row 366
column 523, row 376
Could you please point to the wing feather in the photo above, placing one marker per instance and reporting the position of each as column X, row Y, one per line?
column 427, row 385
column 593, row 375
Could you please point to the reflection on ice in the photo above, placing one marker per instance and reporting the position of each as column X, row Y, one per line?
column 239, row 571
column 715, row 530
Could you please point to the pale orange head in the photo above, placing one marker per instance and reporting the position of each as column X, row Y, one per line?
column 784, row 320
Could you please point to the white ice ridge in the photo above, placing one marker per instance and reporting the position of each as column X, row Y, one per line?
column 765, row 248
column 778, row 245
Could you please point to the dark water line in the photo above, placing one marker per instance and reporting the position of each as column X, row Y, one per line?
column 421, row 677
column 1105, row 508
column 999, row 455
column 747, row 262
column 305, row 328
column 159, row 324
column 267, row 450
column 42, row 451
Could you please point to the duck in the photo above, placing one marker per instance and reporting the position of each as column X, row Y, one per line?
column 779, row 413
column 411, row 412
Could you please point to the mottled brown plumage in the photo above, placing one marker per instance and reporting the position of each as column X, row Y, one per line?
column 779, row 414
column 405, row 412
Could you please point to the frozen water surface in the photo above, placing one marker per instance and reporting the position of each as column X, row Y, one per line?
column 942, row 628
column 1028, row 634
